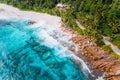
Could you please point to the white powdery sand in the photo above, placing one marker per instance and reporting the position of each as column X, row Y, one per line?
column 10, row 12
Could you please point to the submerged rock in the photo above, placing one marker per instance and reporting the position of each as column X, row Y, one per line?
column 31, row 22
column 4, row 22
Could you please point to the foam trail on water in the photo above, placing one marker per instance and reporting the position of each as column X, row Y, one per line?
column 42, row 45
column 101, row 77
column 83, row 67
column 27, row 51
column 48, row 33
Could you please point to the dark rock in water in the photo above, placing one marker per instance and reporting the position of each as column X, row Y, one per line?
column 31, row 22
column 38, row 66
column 4, row 22
column 46, row 56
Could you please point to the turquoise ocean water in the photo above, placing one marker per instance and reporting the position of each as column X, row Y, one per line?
column 26, row 55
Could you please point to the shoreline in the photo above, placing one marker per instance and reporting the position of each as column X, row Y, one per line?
column 81, row 53
column 96, row 58
column 99, row 58
column 12, row 12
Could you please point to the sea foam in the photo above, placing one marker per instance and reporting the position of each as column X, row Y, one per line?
column 28, row 50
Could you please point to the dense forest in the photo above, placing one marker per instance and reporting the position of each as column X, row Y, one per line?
column 100, row 17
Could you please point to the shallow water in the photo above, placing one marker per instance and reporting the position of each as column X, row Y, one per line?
column 30, row 53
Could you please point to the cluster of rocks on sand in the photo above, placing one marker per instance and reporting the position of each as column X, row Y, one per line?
column 94, row 55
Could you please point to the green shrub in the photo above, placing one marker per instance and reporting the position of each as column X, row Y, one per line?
column 116, row 40
column 80, row 31
column 108, row 49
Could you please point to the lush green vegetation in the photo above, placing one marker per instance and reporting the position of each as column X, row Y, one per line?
column 116, row 40
column 100, row 17
column 109, row 50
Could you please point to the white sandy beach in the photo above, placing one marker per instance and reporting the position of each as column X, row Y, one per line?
column 12, row 12
column 7, row 11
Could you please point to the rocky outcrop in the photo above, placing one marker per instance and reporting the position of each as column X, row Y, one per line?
column 31, row 22
column 98, row 58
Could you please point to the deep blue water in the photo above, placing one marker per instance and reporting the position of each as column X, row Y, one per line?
column 26, row 56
